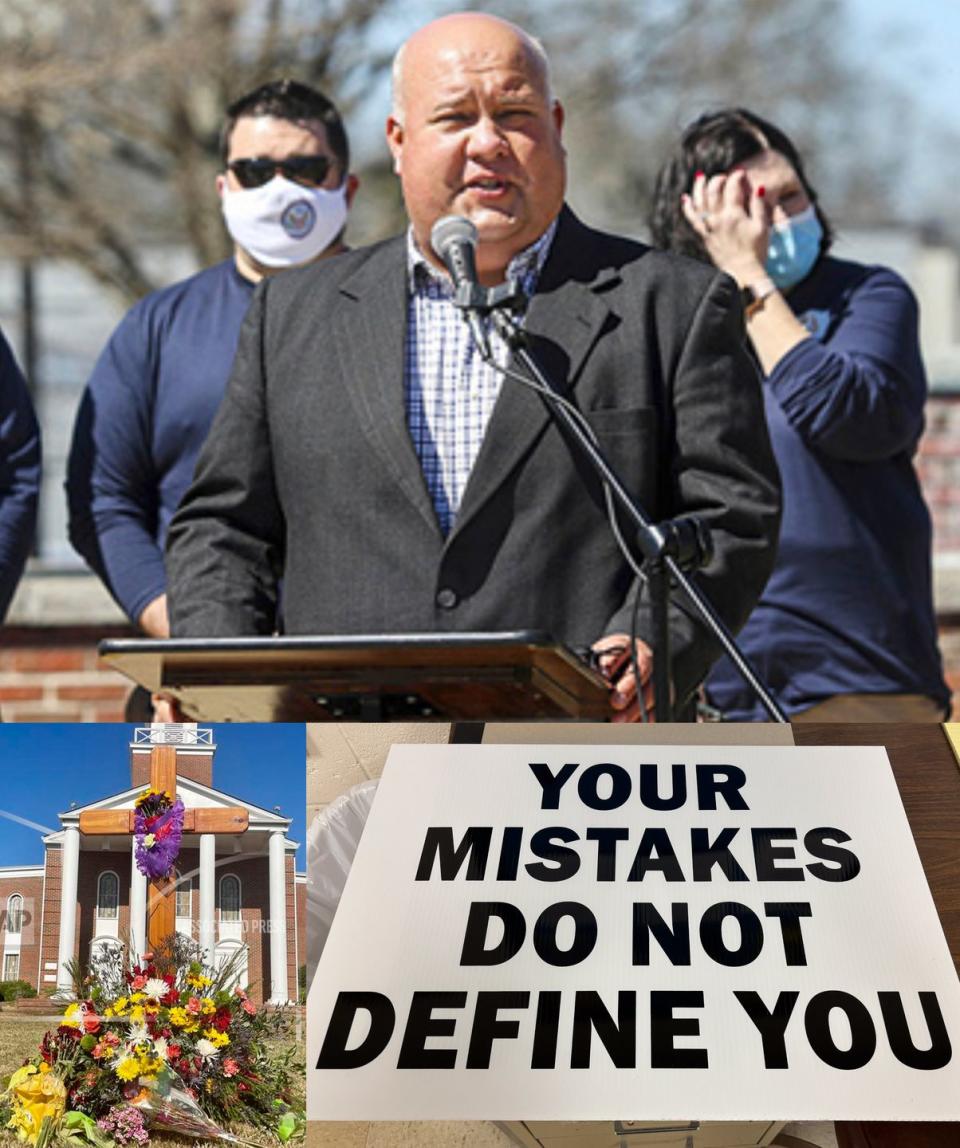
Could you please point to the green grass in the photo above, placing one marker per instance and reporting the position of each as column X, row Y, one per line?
column 19, row 1041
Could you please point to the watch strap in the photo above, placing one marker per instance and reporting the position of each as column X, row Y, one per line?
column 754, row 295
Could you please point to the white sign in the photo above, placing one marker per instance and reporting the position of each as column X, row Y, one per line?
column 614, row 932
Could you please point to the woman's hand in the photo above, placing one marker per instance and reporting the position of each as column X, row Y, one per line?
column 730, row 216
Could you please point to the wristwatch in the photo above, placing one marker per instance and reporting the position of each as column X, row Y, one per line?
column 754, row 295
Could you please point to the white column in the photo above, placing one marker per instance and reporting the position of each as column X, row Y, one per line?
column 138, row 907
column 69, row 873
column 208, row 883
column 278, row 920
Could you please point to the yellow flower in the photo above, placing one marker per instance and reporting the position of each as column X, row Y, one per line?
column 36, row 1095
column 136, row 1013
column 120, row 1006
column 198, row 981
column 220, row 1039
column 21, row 1122
column 179, row 1017
column 127, row 1068
column 136, row 998
column 72, row 1017
column 207, row 1007
column 149, row 1065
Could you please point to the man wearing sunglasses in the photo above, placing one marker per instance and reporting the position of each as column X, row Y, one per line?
column 285, row 190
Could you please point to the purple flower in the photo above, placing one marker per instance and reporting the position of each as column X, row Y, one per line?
column 158, row 840
column 125, row 1124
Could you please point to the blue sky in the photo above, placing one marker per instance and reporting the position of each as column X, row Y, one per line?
column 45, row 767
column 917, row 44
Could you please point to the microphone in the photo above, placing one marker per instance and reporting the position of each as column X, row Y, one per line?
column 454, row 239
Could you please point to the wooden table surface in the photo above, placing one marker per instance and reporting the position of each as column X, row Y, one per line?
column 929, row 782
column 928, row 778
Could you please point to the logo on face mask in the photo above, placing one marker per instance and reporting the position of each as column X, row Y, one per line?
column 298, row 219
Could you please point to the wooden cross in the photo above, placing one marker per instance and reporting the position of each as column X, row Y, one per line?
column 162, row 902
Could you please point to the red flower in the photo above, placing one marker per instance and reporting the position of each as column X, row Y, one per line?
column 221, row 1022
column 241, row 1087
column 173, row 1051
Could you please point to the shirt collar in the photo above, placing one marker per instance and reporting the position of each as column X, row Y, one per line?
column 525, row 266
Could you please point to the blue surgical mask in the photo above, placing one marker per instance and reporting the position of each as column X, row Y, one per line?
column 794, row 247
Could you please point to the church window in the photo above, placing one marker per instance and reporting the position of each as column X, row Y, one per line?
column 230, row 898
column 14, row 913
column 11, row 966
column 108, row 895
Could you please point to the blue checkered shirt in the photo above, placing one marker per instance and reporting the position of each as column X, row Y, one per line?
column 449, row 391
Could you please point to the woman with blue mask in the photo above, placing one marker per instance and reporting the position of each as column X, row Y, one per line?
column 845, row 629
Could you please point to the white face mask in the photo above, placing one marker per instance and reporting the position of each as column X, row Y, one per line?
column 283, row 223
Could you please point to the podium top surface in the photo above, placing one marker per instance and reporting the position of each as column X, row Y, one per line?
column 515, row 675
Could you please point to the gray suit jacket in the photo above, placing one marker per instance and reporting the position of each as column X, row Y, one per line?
column 309, row 471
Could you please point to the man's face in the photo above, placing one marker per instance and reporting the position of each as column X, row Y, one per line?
column 266, row 137
column 479, row 137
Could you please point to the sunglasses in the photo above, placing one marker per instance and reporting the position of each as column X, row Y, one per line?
column 311, row 170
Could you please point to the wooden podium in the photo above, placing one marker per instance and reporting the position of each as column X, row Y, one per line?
column 522, row 675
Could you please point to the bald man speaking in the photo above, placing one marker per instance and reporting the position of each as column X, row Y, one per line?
column 369, row 456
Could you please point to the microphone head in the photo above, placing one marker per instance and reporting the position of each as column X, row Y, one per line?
column 452, row 229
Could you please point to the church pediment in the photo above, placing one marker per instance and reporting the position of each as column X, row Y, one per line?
column 194, row 795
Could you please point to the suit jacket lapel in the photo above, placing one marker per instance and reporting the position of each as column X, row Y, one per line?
column 564, row 320
column 369, row 336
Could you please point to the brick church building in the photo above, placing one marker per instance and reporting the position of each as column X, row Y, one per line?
column 236, row 893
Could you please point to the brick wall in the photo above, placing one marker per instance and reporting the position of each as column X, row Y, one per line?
column 301, row 903
column 92, row 864
column 50, row 941
column 31, row 890
column 938, row 465
column 254, row 913
column 289, row 870
column 53, row 675
column 196, row 766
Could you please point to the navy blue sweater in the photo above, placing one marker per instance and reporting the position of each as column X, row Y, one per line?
column 19, row 474
column 142, row 421
column 849, row 606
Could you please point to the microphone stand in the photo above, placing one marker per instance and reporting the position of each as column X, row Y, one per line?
column 670, row 549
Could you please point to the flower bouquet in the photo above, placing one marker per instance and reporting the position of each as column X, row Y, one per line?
column 158, row 828
column 174, row 1048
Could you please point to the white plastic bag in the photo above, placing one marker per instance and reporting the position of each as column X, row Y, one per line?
column 331, row 846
